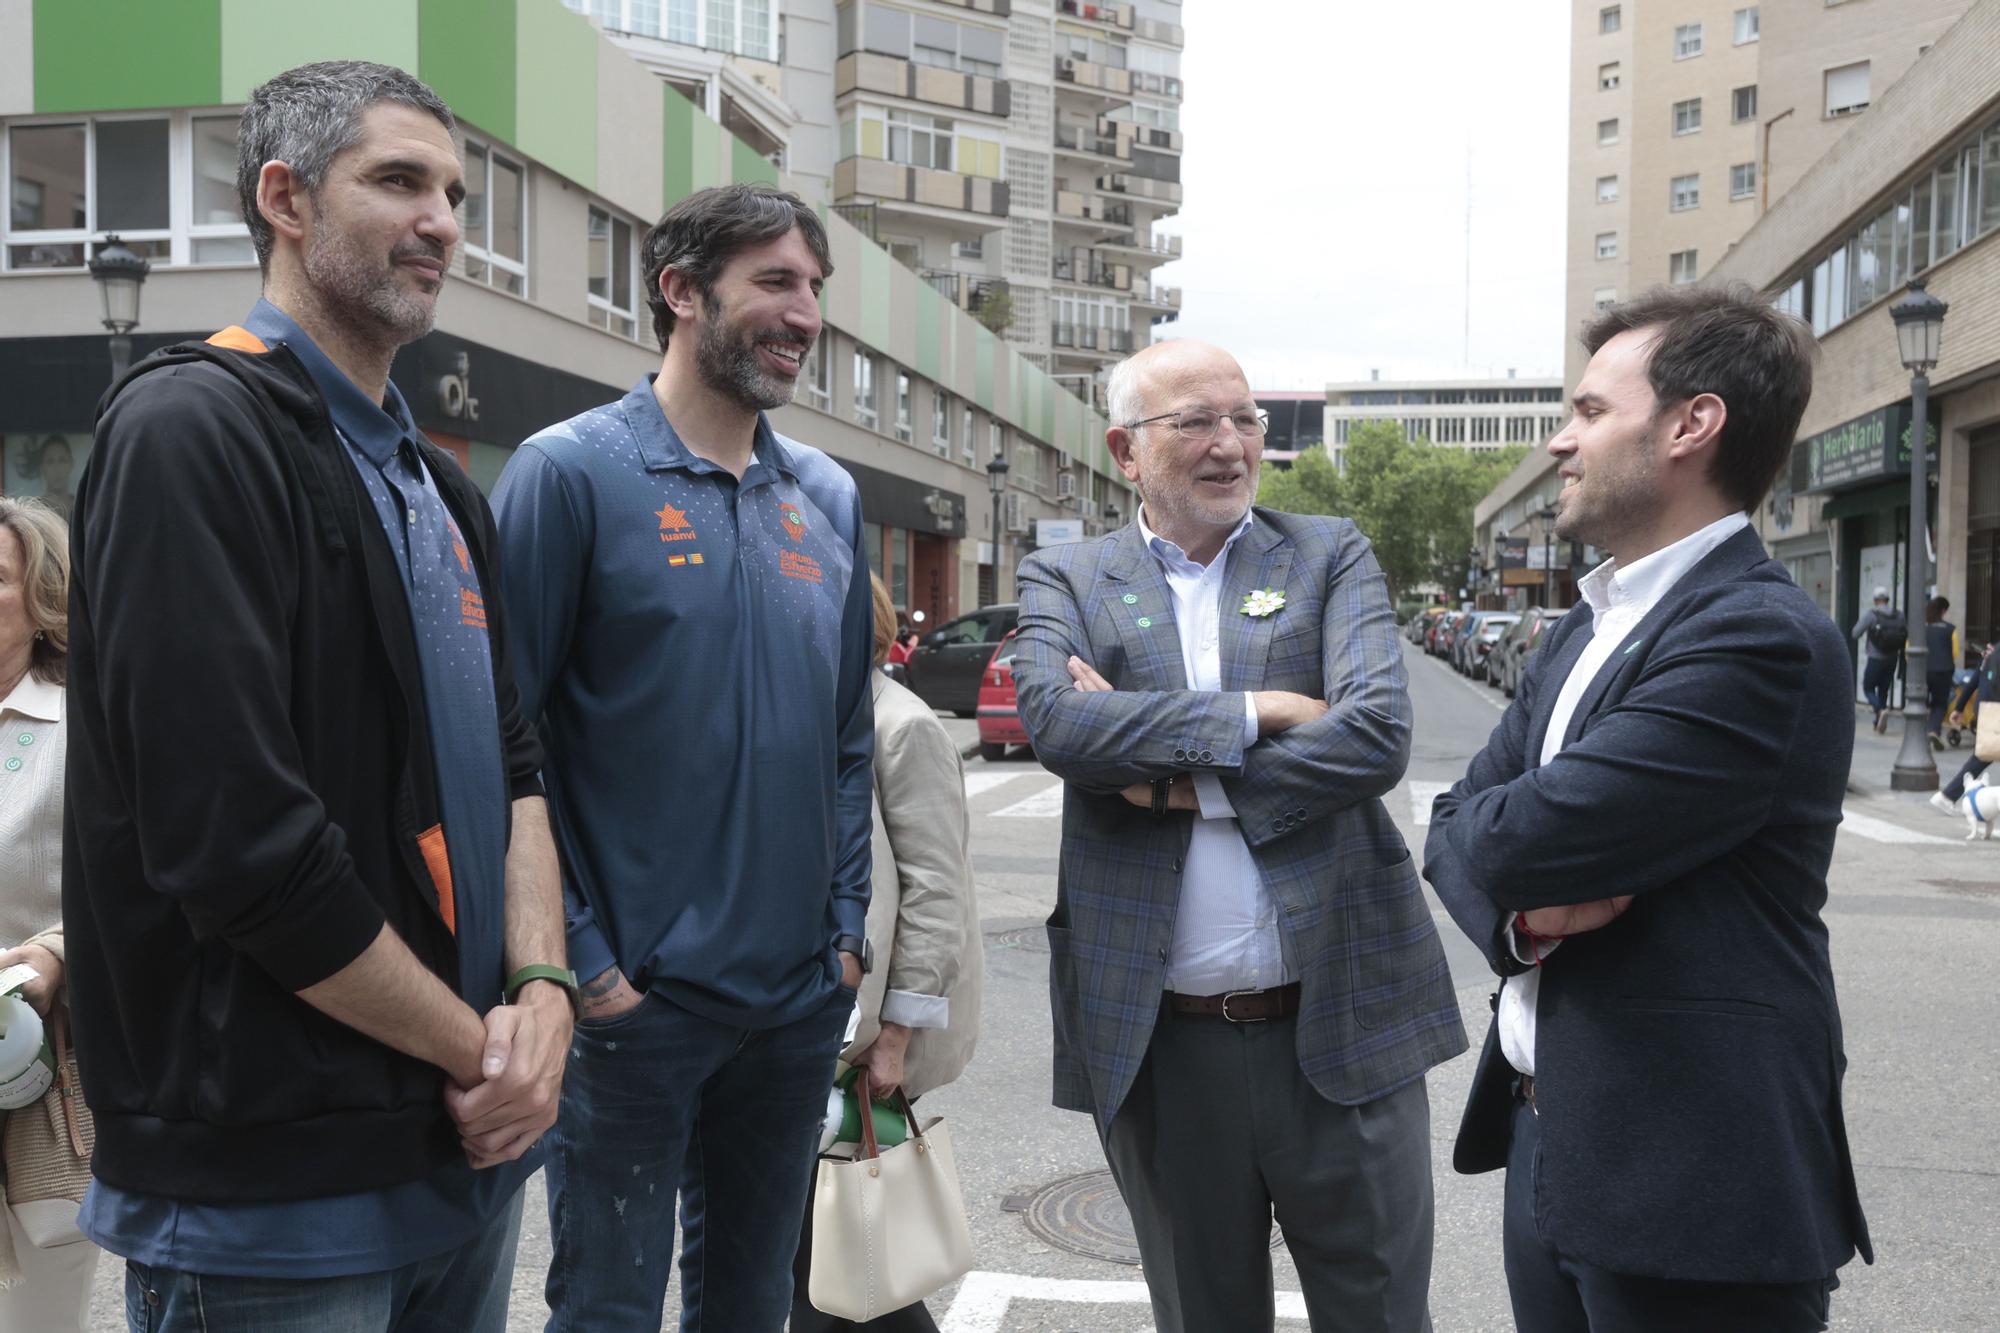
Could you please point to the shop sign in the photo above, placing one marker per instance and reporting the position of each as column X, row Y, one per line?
column 1869, row 448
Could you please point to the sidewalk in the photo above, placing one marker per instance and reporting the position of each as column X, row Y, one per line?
column 1875, row 756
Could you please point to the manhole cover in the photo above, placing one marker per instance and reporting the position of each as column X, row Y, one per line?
column 1031, row 938
column 1085, row 1215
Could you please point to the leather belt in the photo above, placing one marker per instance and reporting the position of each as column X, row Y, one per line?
column 1239, row 1006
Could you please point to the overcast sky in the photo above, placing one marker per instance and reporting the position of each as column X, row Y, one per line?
column 1324, row 221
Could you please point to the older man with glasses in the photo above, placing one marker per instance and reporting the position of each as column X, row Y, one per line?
column 1246, row 985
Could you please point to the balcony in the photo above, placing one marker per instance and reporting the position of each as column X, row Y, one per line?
column 1158, row 298
column 967, row 291
column 1085, row 273
column 1140, row 187
column 1130, row 134
column 1071, row 139
column 999, row 9
column 1089, row 338
column 863, row 71
column 935, row 194
column 1157, row 30
column 1092, row 211
column 1111, row 16
column 1083, row 76
column 1151, row 249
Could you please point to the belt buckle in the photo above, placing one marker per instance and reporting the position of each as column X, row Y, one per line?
column 1231, row 1017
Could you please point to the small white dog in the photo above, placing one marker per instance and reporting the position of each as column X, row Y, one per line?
column 1981, row 807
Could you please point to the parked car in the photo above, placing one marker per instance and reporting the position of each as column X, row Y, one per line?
column 999, row 718
column 1479, row 644
column 1520, row 644
column 1439, row 642
column 948, row 664
column 1420, row 624
column 1468, row 633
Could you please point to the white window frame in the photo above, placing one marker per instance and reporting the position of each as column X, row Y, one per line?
column 1603, row 299
column 617, row 15
column 904, row 432
column 1740, row 185
column 1747, row 26
column 1602, row 140
column 819, row 377
column 968, row 444
column 608, row 309
column 940, row 422
column 865, row 410
column 1736, row 116
column 1833, row 112
column 1607, row 195
column 1683, row 266
column 1688, row 40
column 1608, row 76
column 1687, row 117
column 1607, row 245
column 1610, row 19
column 933, row 128
column 1684, row 192
column 470, row 251
column 181, row 232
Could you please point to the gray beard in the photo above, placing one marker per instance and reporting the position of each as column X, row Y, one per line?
column 355, row 293
column 729, row 366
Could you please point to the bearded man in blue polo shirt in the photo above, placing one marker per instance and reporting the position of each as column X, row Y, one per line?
column 694, row 631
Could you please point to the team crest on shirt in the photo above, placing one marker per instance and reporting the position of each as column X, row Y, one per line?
column 794, row 522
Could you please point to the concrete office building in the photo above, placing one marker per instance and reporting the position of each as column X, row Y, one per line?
column 120, row 117
column 1479, row 414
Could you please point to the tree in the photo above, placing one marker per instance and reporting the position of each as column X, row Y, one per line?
column 1413, row 500
column 994, row 307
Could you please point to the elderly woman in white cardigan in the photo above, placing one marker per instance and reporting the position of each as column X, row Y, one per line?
column 918, row 1011
column 40, row 1289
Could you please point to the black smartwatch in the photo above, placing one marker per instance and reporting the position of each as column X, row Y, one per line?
column 859, row 947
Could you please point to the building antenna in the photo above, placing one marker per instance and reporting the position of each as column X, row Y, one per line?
column 1465, row 355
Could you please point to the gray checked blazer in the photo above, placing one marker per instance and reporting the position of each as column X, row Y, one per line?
column 1378, row 1007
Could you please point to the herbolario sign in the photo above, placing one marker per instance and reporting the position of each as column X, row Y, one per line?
column 1870, row 448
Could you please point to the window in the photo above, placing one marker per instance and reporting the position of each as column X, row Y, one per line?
column 919, row 140
column 1603, row 299
column 1743, row 180
column 613, row 295
column 1743, row 104
column 1746, row 25
column 1681, row 266
column 684, row 22
column 1609, row 19
column 494, row 250
column 1687, row 41
column 864, row 389
column 1607, row 131
column 903, row 431
column 1607, row 77
column 1607, row 245
column 819, row 373
column 940, row 422
column 968, row 438
column 1687, row 116
column 1607, row 189
column 1684, row 193
column 165, row 184
column 1847, row 89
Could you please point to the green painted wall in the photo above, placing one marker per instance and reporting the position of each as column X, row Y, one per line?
column 260, row 39
column 678, row 117
column 556, row 90
column 119, row 55
column 930, row 310
column 747, row 167
column 466, row 51
column 875, row 272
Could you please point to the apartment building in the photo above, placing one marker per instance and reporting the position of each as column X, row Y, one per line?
column 572, row 148
column 1479, row 414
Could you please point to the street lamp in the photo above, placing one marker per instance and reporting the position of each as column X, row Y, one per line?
column 996, row 482
column 119, row 274
column 1919, row 327
column 1547, row 514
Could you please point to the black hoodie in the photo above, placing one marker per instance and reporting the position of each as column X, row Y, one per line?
column 250, row 787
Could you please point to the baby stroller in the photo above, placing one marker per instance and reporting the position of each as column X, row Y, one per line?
column 1960, row 715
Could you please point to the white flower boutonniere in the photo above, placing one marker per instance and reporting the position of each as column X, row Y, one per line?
column 1263, row 602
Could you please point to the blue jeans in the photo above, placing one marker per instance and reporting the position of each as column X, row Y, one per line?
column 660, row 1102
column 1877, row 678
column 460, row 1291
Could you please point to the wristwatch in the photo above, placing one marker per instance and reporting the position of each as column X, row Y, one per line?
column 1162, row 789
column 859, row 947
column 561, row 976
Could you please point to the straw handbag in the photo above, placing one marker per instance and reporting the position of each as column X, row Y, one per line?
column 1986, row 740
column 46, row 1151
column 888, row 1226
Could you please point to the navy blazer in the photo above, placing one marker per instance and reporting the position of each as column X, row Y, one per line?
column 1688, row 1056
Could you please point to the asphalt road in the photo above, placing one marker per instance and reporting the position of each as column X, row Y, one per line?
column 1915, row 921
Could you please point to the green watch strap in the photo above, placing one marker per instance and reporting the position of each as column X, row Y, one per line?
column 562, row 976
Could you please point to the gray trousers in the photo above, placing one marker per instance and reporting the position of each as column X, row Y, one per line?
column 1220, row 1133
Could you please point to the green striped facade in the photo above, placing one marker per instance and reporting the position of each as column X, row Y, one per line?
column 538, row 77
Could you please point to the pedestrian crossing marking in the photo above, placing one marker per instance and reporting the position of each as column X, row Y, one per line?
column 982, row 1300
column 1421, row 796
column 1881, row 830
column 985, row 781
column 1044, row 804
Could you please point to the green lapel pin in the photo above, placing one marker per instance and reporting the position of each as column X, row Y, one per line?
column 1131, row 599
column 1145, row 622
column 1632, row 647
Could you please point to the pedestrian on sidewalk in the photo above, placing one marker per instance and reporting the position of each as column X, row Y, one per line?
column 1641, row 852
column 1882, row 632
column 314, row 922
column 1246, row 986
column 1988, row 695
column 917, row 1018
column 1941, row 639
column 695, row 631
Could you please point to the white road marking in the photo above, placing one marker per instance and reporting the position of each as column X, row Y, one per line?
column 983, row 1298
column 1044, row 804
column 1881, row 830
column 981, row 780
column 1421, row 796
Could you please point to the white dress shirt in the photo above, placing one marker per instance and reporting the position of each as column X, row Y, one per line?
column 1226, row 929
column 1619, row 599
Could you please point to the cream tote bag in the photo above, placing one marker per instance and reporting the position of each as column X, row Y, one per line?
column 888, row 1226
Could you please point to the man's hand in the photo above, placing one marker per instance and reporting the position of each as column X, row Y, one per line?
column 606, row 995
column 1084, row 676
column 1180, row 796
column 1555, row 922
column 883, row 1059
column 41, row 992
column 527, row 1046
column 850, row 971
column 1281, row 710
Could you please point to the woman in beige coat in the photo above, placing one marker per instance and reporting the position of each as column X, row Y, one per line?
column 917, row 1016
column 40, row 1289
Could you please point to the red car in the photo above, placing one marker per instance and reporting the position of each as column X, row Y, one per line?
column 999, row 719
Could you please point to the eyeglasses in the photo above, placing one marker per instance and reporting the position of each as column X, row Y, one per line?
column 1199, row 424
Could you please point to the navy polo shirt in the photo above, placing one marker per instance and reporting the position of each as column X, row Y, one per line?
column 696, row 651
column 381, row 1229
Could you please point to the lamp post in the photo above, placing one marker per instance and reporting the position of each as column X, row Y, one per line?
column 1919, row 327
column 1547, row 515
column 119, row 274
column 996, row 482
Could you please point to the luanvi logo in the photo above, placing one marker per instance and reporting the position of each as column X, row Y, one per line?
column 674, row 525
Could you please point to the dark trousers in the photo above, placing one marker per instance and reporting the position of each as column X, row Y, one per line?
column 1937, row 684
column 1220, row 1133
column 808, row 1319
column 1973, row 767
column 1876, row 678
column 660, row 1102
column 1556, row 1294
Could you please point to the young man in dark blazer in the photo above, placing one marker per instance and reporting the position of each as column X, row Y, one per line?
column 1641, row 851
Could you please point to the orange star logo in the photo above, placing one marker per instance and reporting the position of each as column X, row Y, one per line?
column 672, row 519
